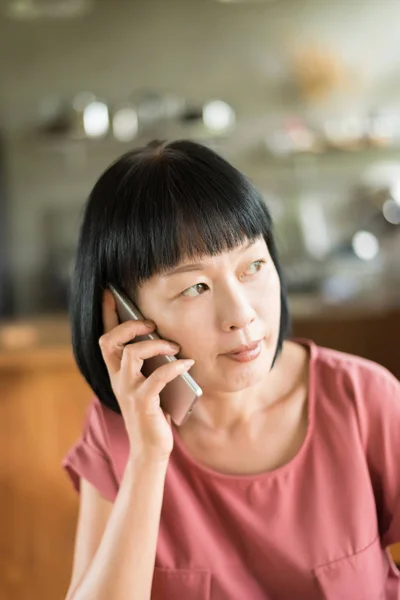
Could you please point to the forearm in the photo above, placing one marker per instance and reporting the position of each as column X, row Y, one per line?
column 124, row 562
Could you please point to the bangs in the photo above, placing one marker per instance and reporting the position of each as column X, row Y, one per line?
column 181, row 209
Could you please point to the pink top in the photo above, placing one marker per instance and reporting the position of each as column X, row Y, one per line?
column 315, row 528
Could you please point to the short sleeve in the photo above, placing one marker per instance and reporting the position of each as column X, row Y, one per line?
column 380, row 423
column 90, row 456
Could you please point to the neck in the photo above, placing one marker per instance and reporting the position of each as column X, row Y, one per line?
column 225, row 412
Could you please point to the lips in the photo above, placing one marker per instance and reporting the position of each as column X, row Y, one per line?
column 245, row 348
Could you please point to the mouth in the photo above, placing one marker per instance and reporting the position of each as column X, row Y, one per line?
column 246, row 353
column 245, row 348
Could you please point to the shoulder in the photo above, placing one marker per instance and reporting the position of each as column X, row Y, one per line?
column 101, row 415
column 358, row 385
column 353, row 372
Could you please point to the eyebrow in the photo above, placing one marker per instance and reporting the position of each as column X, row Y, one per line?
column 199, row 266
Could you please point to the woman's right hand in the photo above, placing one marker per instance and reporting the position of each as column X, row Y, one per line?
column 148, row 427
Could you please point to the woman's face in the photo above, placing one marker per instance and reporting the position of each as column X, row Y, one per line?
column 212, row 306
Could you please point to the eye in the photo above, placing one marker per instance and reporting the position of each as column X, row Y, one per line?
column 195, row 290
column 254, row 268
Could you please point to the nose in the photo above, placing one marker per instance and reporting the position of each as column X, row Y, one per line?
column 236, row 311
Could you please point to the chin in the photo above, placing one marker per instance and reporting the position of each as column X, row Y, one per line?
column 241, row 377
column 231, row 376
column 247, row 378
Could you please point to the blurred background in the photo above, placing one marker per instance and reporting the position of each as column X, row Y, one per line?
column 302, row 95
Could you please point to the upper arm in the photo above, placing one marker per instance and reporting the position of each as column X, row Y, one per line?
column 94, row 513
column 90, row 468
column 90, row 458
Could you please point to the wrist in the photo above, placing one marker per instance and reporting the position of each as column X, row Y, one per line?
column 139, row 461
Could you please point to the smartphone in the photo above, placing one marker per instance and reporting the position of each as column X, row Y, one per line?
column 180, row 395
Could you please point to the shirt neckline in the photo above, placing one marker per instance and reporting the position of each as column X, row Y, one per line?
column 272, row 473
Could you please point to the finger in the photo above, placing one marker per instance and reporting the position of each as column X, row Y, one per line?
column 157, row 381
column 135, row 354
column 112, row 344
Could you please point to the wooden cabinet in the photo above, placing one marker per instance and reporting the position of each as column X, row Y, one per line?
column 42, row 404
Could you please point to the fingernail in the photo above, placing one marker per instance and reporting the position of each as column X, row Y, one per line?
column 174, row 346
column 149, row 324
column 187, row 363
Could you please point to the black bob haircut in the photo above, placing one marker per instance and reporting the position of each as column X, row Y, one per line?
column 152, row 208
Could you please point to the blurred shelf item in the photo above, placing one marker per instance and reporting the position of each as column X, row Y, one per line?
column 139, row 118
column 333, row 157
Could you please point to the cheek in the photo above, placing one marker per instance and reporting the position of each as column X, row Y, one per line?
column 196, row 336
column 191, row 332
column 276, row 292
column 269, row 299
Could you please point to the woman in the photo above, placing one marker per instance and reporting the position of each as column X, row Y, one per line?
column 283, row 483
